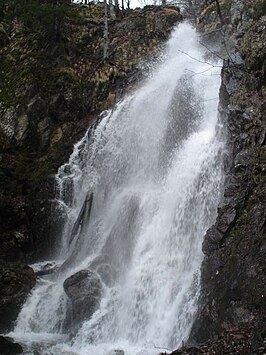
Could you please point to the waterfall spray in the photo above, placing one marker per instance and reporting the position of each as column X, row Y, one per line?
column 139, row 191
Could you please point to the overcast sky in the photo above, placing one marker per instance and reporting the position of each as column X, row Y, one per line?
column 133, row 3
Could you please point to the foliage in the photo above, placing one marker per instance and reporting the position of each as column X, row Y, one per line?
column 37, row 33
column 259, row 10
column 38, row 16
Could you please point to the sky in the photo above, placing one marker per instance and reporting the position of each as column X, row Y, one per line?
column 133, row 3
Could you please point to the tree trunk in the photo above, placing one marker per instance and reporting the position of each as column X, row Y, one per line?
column 116, row 7
column 111, row 10
column 219, row 12
column 105, row 32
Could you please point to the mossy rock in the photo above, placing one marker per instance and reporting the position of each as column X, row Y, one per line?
column 252, row 45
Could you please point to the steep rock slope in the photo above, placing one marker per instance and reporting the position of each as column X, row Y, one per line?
column 233, row 272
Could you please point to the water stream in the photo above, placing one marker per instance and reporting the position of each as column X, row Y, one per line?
column 151, row 171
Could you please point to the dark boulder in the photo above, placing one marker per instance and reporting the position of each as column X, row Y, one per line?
column 84, row 289
column 212, row 240
column 8, row 347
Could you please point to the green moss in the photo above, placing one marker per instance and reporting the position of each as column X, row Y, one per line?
column 40, row 30
column 255, row 11
column 252, row 47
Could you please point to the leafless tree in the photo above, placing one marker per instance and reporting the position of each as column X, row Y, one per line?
column 105, row 32
column 116, row 7
column 219, row 12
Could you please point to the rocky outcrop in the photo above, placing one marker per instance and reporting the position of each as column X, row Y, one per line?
column 7, row 347
column 233, row 270
column 237, row 340
column 16, row 281
column 84, row 289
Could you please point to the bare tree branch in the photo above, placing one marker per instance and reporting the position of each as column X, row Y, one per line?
column 200, row 61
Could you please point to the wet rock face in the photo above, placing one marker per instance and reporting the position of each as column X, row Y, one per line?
column 233, row 279
column 84, row 290
column 16, row 281
column 237, row 340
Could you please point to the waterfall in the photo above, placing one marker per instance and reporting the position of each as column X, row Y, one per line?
column 138, row 193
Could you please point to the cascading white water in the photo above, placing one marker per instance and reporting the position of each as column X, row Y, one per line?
column 153, row 165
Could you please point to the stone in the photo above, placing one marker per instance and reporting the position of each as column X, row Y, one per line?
column 242, row 159
column 8, row 347
column 8, row 122
column 84, row 290
column 22, row 128
column 262, row 137
column 43, row 129
column 226, row 217
column 37, row 107
column 212, row 240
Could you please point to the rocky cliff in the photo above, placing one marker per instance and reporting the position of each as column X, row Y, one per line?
column 232, row 312
column 54, row 83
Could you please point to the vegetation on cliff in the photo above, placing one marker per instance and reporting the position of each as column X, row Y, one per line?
column 233, row 270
